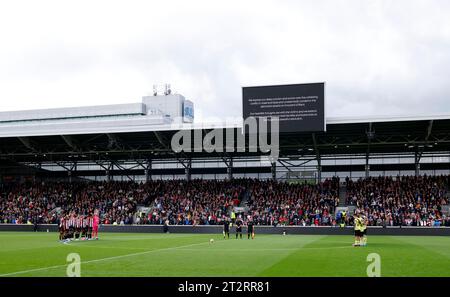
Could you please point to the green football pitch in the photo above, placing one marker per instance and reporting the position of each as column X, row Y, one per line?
column 121, row 254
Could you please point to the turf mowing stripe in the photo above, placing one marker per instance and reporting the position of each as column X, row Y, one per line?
column 102, row 259
column 81, row 243
column 427, row 245
column 274, row 250
column 109, row 237
column 148, row 237
column 110, row 247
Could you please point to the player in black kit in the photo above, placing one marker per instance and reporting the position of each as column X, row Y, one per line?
column 250, row 229
column 226, row 229
column 239, row 228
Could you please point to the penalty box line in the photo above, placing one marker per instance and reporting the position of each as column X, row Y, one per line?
column 103, row 259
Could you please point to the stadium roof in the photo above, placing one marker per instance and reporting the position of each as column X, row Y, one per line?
column 134, row 138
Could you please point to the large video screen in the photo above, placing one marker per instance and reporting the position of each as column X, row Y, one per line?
column 299, row 107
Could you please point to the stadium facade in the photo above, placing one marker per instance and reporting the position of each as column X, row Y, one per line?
column 132, row 142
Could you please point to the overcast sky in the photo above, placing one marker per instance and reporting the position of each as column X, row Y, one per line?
column 376, row 57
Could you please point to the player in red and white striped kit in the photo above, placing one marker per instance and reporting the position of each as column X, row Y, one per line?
column 90, row 226
column 73, row 227
column 84, row 228
column 66, row 229
column 78, row 227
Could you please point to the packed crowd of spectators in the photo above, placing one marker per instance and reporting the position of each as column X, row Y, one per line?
column 196, row 202
column 406, row 200
column 273, row 203
column 45, row 202
column 180, row 202
column 401, row 201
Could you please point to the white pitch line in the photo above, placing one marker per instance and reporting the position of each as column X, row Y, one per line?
column 102, row 259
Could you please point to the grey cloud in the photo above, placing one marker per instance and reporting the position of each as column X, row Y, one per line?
column 377, row 57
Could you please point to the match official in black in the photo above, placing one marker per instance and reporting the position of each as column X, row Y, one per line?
column 250, row 229
column 226, row 228
column 239, row 228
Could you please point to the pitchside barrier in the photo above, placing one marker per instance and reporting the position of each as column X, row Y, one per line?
column 217, row 229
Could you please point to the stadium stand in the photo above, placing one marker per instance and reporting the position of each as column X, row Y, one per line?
column 406, row 200
column 118, row 159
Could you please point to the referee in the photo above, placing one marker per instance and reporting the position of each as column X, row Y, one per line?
column 239, row 228
column 226, row 229
column 250, row 229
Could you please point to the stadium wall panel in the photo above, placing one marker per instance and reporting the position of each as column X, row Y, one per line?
column 414, row 231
